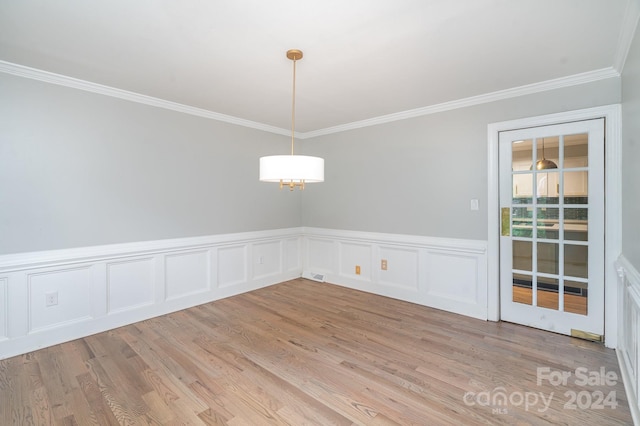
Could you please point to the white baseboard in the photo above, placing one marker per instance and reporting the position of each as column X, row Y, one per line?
column 628, row 349
column 101, row 288
column 448, row 274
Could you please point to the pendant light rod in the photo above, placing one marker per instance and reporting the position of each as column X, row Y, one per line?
column 293, row 107
column 294, row 55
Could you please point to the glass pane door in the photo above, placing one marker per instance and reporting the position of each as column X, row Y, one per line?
column 550, row 261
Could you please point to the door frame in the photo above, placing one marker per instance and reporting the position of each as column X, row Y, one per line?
column 612, row 208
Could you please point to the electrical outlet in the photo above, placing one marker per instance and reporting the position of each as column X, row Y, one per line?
column 383, row 264
column 51, row 299
column 357, row 269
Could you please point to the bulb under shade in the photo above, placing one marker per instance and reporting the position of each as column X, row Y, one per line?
column 276, row 168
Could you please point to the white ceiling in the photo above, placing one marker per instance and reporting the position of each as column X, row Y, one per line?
column 362, row 58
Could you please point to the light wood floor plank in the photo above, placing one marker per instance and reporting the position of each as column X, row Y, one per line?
column 306, row 353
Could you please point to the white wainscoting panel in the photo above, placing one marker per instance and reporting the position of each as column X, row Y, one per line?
column 403, row 266
column 442, row 273
column 292, row 261
column 628, row 349
column 4, row 309
column 232, row 265
column 72, row 289
column 266, row 259
column 186, row 274
column 351, row 256
column 104, row 287
column 455, row 283
column 130, row 284
column 319, row 254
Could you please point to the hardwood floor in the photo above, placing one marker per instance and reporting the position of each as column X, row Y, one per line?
column 302, row 352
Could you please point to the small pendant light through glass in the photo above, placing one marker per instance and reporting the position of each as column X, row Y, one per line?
column 292, row 170
column 544, row 164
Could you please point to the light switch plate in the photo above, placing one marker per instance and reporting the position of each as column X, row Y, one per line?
column 474, row 204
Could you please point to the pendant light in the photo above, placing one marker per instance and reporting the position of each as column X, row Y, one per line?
column 292, row 170
column 544, row 164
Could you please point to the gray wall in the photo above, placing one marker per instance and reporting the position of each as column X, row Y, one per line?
column 80, row 169
column 631, row 155
column 417, row 176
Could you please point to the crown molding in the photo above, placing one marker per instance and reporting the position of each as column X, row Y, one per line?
column 514, row 92
column 627, row 32
column 62, row 80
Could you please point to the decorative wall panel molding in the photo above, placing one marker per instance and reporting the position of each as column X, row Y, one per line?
column 57, row 296
column 292, row 260
column 71, row 289
column 355, row 260
column 319, row 254
column 3, row 309
column 264, row 263
column 232, row 265
column 628, row 349
column 130, row 284
column 406, row 267
column 100, row 288
column 448, row 274
column 186, row 273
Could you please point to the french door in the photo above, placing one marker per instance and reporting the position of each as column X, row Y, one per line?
column 552, row 227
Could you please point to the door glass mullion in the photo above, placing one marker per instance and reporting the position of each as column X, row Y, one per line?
column 534, row 227
column 522, row 194
column 547, row 222
column 575, row 202
column 561, row 191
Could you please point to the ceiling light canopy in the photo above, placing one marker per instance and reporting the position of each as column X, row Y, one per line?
column 292, row 170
